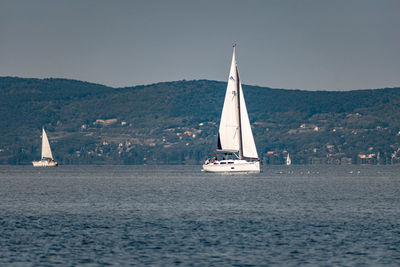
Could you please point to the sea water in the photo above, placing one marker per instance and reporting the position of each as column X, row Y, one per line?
column 178, row 215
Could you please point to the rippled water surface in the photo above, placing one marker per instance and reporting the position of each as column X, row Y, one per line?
column 177, row 215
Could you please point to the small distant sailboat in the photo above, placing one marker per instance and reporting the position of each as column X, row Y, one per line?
column 235, row 138
column 47, row 157
column 288, row 160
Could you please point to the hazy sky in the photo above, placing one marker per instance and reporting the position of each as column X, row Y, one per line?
column 310, row 44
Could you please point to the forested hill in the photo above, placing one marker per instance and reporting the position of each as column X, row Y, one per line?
column 177, row 122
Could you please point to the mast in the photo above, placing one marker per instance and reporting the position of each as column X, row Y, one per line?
column 44, row 137
column 238, row 107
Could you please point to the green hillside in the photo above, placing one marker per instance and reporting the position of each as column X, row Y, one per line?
column 177, row 122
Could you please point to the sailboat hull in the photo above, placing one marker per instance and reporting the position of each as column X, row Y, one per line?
column 44, row 163
column 232, row 166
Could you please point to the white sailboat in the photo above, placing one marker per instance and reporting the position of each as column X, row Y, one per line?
column 288, row 160
column 235, row 137
column 47, row 157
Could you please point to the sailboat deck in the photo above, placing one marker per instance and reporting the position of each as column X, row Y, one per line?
column 232, row 166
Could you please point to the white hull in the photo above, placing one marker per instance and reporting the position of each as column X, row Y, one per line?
column 44, row 163
column 233, row 166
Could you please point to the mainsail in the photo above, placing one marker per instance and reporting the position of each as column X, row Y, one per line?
column 228, row 136
column 235, row 134
column 46, row 151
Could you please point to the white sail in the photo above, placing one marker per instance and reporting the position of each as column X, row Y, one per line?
column 46, row 151
column 288, row 160
column 248, row 144
column 228, row 136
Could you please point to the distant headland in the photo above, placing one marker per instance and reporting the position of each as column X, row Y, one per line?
column 176, row 123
